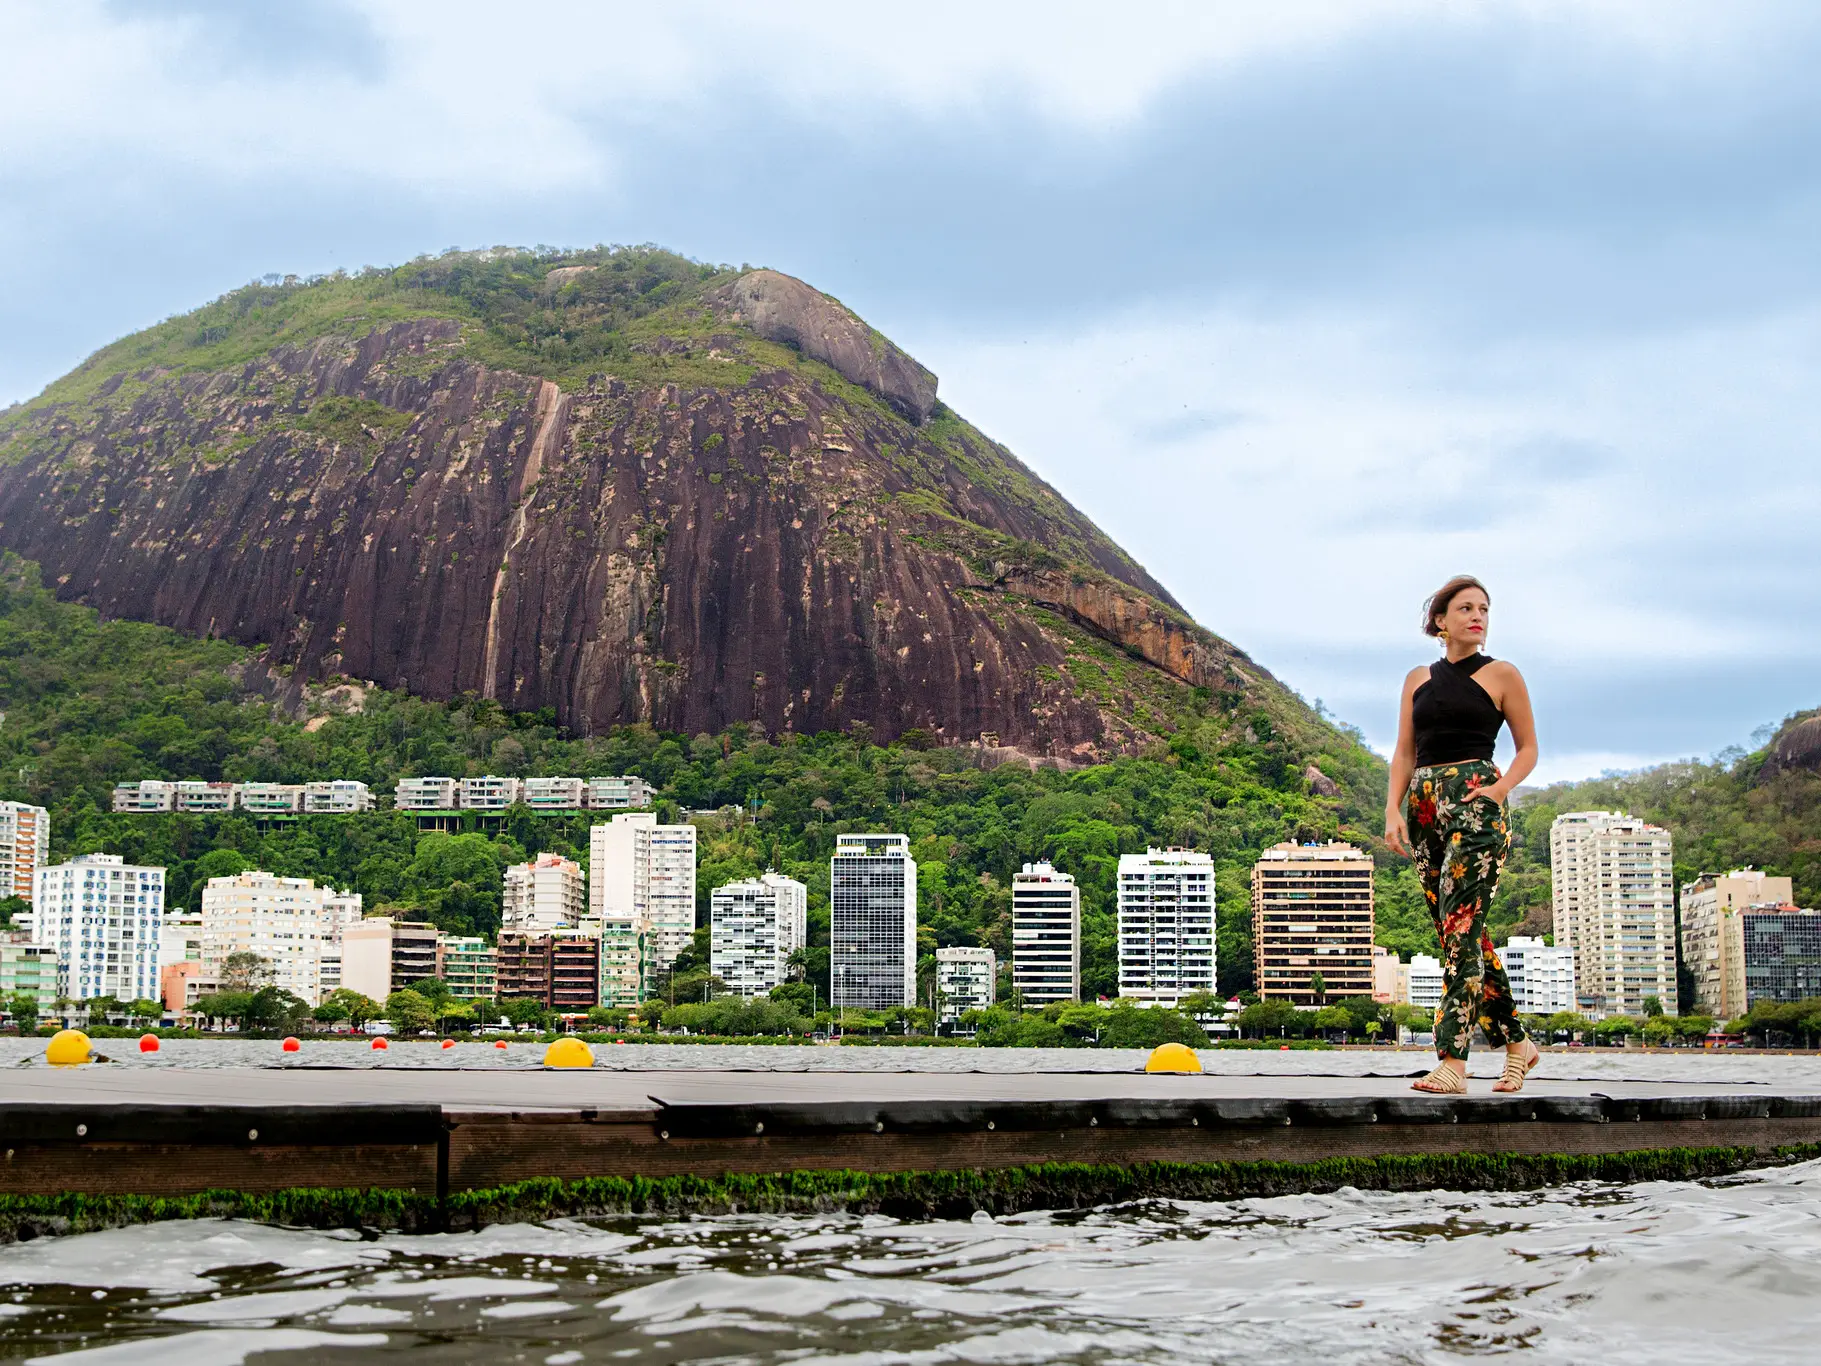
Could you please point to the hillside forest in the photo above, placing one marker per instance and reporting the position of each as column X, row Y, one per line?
column 89, row 703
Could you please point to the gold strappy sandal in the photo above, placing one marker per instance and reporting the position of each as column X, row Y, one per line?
column 1443, row 1081
column 1517, row 1069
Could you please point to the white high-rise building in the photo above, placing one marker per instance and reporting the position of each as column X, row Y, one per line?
column 288, row 921
column 1615, row 907
column 755, row 926
column 1422, row 980
column 1713, row 934
column 872, row 929
column 1541, row 975
column 25, row 847
column 543, row 895
column 966, row 979
column 103, row 918
column 1046, row 936
column 1166, row 925
column 640, row 871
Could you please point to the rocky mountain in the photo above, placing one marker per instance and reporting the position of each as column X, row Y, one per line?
column 614, row 483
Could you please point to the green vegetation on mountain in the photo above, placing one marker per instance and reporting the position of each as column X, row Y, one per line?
column 90, row 703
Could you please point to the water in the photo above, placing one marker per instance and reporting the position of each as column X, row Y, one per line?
column 1660, row 1273
column 1657, row 1273
column 1615, row 1064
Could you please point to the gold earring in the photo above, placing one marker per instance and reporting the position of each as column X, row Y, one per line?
column 1444, row 635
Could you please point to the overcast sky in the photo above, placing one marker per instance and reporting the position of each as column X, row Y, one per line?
column 1308, row 304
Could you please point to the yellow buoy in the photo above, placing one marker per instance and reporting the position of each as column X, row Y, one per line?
column 1173, row 1057
column 568, row 1052
column 67, row 1048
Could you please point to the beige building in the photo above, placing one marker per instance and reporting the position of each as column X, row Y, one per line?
column 1614, row 893
column 1713, row 935
column 1385, row 965
column 379, row 955
column 288, row 921
column 543, row 895
column 1312, row 912
column 25, row 846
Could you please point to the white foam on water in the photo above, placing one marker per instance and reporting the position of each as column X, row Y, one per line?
column 211, row 1347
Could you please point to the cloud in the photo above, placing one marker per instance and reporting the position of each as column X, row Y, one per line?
column 1309, row 304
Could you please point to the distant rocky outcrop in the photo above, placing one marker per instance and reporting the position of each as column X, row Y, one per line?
column 1797, row 746
column 783, row 309
column 673, row 523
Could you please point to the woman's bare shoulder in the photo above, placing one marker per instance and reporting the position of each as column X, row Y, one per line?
column 1503, row 669
column 1416, row 678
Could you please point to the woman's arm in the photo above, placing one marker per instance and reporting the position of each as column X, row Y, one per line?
column 1514, row 701
column 1403, row 764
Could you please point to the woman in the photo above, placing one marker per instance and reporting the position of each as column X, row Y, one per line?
column 1446, row 810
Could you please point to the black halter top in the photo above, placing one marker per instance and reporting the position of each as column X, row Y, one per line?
column 1454, row 717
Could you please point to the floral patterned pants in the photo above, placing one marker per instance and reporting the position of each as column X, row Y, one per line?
column 1460, row 842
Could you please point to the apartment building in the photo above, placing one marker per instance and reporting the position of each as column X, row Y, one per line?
column 1713, row 934
column 147, row 795
column 1166, row 925
column 1385, row 964
column 337, row 796
column 554, row 794
column 1046, row 936
column 1614, row 894
column 560, row 969
column 203, row 798
column 1782, row 953
column 380, row 954
column 1541, row 975
column 28, row 969
column 754, row 927
column 1312, row 917
column 872, row 923
column 1423, row 981
column 966, row 979
column 468, row 965
column 101, row 917
column 545, row 894
column 488, row 793
column 426, row 794
column 25, row 847
column 270, row 799
column 640, row 872
column 288, row 921
column 624, row 793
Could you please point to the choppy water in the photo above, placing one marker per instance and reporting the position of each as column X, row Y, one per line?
column 1605, row 1064
column 1723, row 1271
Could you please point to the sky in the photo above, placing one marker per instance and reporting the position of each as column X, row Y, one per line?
column 1310, row 305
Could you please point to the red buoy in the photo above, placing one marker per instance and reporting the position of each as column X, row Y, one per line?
column 148, row 1043
column 448, row 1043
column 380, row 1042
column 499, row 1043
column 290, row 1045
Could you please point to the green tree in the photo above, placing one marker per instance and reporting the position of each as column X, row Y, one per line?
column 409, row 1012
column 244, row 971
column 1653, row 1007
column 349, row 1005
column 10, row 907
column 23, row 1007
column 216, row 863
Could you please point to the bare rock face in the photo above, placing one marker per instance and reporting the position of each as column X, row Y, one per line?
column 386, row 507
column 1797, row 747
column 782, row 309
column 1320, row 783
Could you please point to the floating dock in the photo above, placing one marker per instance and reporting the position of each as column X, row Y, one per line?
column 428, row 1147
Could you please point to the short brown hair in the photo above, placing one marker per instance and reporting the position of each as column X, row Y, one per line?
column 1437, row 605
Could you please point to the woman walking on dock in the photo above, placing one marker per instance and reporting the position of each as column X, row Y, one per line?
column 1446, row 810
